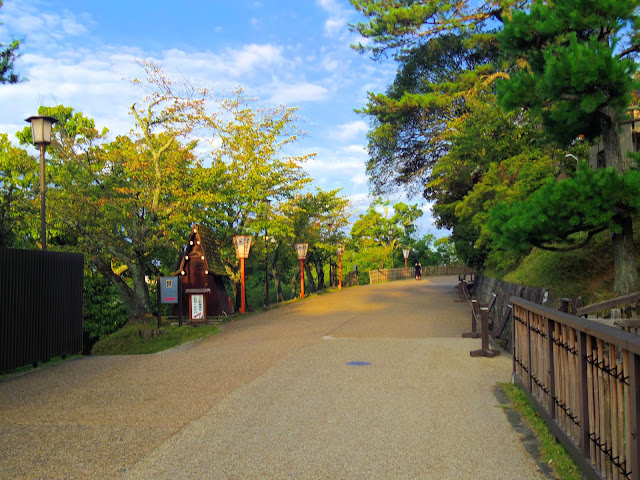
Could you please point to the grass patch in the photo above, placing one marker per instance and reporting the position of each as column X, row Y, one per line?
column 587, row 271
column 551, row 452
column 137, row 338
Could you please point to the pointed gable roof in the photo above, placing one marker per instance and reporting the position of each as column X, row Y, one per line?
column 203, row 243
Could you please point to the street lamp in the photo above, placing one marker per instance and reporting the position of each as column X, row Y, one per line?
column 330, row 221
column 301, row 251
column 243, row 245
column 390, row 247
column 41, row 133
column 340, row 251
column 405, row 252
column 266, row 203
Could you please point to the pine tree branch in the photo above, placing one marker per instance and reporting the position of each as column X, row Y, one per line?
column 582, row 244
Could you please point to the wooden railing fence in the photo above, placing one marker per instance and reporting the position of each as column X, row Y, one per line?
column 584, row 378
column 389, row 274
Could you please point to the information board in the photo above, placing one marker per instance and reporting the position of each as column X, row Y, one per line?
column 169, row 289
column 197, row 307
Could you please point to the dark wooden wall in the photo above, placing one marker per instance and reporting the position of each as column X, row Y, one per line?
column 41, row 304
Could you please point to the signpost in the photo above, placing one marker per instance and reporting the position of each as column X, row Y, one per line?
column 169, row 292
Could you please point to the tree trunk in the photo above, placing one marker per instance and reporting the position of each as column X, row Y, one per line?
column 623, row 248
column 610, row 129
column 140, row 288
column 320, row 273
column 624, row 257
column 277, row 278
column 308, row 279
column 135, row 308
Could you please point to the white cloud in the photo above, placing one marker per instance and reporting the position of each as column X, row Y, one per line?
column 42, row 28
column 253, row 21
column 338, row 17
column 236, row 63
column 293, row 94
column 349, row 131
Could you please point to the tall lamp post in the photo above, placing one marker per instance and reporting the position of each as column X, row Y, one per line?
column 301, row 251
column 340, row 251
column 41, row 133
column 243, row 245
column 391, row 248
column 405, row 253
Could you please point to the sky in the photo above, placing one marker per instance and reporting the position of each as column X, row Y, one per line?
column 292, row 52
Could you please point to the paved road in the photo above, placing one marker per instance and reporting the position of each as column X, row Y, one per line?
column 272, row 396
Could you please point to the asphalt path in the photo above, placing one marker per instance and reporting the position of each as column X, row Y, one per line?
column 276, row 395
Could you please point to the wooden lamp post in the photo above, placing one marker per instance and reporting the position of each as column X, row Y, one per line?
column 301, row 250
column 41, row 133
column 243, row 245
column 340, row 251
column 405, row 252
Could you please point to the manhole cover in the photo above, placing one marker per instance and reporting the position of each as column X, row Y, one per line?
column 358, row 364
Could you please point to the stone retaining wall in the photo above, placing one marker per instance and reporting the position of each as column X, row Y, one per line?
column 485, row 287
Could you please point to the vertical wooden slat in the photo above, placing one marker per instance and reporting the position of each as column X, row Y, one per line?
column 614, row 412
column 529, row 379
column 591, row 400
column 551, row 325
column 634, row 414
column 621, row 413
column 583, row 396
column 601, row 412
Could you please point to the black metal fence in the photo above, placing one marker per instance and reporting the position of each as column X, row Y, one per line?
column 41, row 300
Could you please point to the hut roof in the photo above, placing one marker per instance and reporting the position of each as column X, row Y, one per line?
column 202, row 239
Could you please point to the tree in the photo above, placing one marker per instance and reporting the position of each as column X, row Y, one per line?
column 578, row 75
column 8, row 55
column 18, row 196
column 412, row 120
column 248, row 166
column 376, row 236
column 103, row 200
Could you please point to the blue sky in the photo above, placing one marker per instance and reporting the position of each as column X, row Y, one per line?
column 297, row 53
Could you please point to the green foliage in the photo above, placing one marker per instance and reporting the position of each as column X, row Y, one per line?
column 410, row 121
column 8, row 55
column 563, row 211
column 104, row 309
column 142, row 338
column 19, row 206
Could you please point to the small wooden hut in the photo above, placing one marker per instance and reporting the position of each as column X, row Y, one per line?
column 202, row 277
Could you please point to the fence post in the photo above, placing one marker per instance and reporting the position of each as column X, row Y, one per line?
column 474, row 327
column 552, row 368
column 583, row 392
column 634, row 413
column 485, row 351
column 529, row 359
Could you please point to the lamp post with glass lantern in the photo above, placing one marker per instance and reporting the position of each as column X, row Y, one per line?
column 243, row 245
column 41, row 133
column 340, row 251
column 301, row 251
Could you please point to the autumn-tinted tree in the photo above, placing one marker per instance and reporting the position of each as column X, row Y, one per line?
column 249, row 164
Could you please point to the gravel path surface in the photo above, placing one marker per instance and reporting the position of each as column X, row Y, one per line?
column 272, row 396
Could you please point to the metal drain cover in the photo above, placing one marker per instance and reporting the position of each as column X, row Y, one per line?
column 358, row 364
